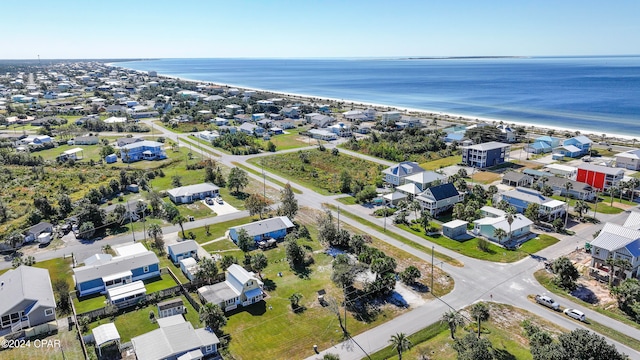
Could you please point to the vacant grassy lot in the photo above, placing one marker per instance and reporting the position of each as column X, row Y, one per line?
column 290, row 140
column 69, row 348
column 269, row 178
column 270, row 330
column 484, row 177
column 603, row 206
column 321, row 170
column 495, row 253
column 441, row 163
column 503, row 329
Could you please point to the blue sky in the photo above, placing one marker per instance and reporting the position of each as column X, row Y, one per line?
column 307, row 28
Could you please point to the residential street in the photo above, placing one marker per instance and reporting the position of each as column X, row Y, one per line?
column 477, row 280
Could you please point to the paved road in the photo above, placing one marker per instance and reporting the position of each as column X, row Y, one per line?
column 476, row 281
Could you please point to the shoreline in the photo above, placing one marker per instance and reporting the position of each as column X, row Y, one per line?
column 450, row 117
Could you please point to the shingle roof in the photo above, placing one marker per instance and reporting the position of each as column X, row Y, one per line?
column 25, row 283
column 443, row 191
column 516, row 176
column 403, row 169
column 184, row 246
column 631, row 154
column 519, row 221
column 145, row 143
column 425, row 177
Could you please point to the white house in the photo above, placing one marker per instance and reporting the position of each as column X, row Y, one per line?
column 191, row 193
column 240, row 288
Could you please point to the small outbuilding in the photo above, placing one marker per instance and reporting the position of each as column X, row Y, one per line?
column 104, row 335
column 111, row 158
column 454, row 229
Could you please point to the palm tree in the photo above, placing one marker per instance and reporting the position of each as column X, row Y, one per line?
column 612, row 191
column 581, row 207
column 480, row 312
column 401, row 343
column 453, row 319
column 415, row 206
column 179, row 219
column 510, row 218
column 213, row 317
column 623, row 265
column 499, row 234
column 611, row 262
column 425, row 217
column 567, row 186
column 633, row 184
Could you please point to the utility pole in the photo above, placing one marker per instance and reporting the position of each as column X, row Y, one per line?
column 338, row 220
column 595, row 208
column 432, row 269
column 133, row 234
column 385, row 216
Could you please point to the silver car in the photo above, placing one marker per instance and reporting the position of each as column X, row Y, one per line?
column 576, row 314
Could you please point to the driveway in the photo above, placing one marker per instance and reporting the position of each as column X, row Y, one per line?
column 221, row 209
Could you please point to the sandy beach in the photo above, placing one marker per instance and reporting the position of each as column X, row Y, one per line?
column 438, row 115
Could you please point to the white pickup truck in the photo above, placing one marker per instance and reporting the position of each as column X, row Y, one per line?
column 547, row 301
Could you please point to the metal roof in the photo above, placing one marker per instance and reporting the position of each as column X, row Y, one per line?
column 601, row 169
column 115, row 265
column 192, row 189
column 25, row 283
column 613, row 237
column 265, row 226
column 105, row 333
column 425, row 177
column 487, row 146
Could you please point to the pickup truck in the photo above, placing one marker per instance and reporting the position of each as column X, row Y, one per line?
column 547, row 301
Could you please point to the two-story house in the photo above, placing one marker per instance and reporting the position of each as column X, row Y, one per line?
column 440, row 198
column 576, row 146
column 26, row 298
column 485, row 154
column 240, row 288
column 395, row 175
column 543, row 144
column 618, row 243
column 142, row 150
column 520, row 198
column 629, row 160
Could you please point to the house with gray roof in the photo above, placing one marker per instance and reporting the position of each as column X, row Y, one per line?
column 519, row 230
column 578, row 190
column 619, row 243
column 26, row 298
column 175, row 339
column 514, row 178
column 425, row 179
column 396, row 174
column 629, row 159
column 273, row 228
column 576, row 146
column 142, row 150
column 486, row 154
column 239, row 288
column 106, row 272
column 520, row 198
column 190, row 193
column 182, row 250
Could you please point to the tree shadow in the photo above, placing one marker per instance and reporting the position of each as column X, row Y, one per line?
column 257, row 309
column 501, row 354
column 240, row 195
column 302, row 272
column 585, row 294
column 269, row 285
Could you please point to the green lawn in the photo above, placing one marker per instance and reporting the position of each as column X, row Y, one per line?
column 441, row 163
column 161, row 282
column 218, row 230
column 280, row 183
column 322, row 170
column 224, row 245
column 347, row 200
column 136, row 322
column 89, row 303
column 400, row 238
column 603, row 206
column 165, row 262
column 495, row 253
column 606, row 199
column 286, row 141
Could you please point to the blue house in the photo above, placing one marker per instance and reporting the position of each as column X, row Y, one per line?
column 486, row 154
column 142, row 150
column 576, row 146
column 543, row 144
column 183, row 250
column 274, row 228
column 103, row 272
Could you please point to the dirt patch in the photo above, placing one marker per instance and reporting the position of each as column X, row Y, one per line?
column 589, row 289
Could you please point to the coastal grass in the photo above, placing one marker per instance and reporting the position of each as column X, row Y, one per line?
column 442, row 162
column 504, row 321
column 446, row 258
column 255, row 172
column 494, row 253
column 320, row 170
column 546, row 280
column 287, row 141
column 484, row 177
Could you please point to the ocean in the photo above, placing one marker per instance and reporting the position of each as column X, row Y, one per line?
column 591, row 94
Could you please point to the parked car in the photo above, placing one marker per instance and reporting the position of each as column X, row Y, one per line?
column 219, row 200
column 547, row 301
column 209, row 201
column 576, row 314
